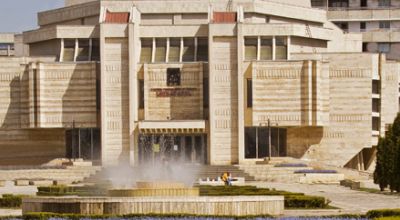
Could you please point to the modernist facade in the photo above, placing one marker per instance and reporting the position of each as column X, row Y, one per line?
column 214, row 82
column 377, row 20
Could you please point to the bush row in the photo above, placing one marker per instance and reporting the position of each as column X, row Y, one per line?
column 11, row 201
column 61, row 190
column 292, row 200
column 383, row 213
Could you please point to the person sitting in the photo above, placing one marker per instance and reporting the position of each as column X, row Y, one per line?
column 227, row 179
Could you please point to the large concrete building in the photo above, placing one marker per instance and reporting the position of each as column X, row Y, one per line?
column 129, row 81
column 377, row 20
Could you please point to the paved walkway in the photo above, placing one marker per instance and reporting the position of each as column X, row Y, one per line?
column 349, row 201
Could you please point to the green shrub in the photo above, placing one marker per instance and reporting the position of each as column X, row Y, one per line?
column 11, row 201
column 306, row 202
column 389, row 218
column 383, row 213
column 71, row 190
column 292, row 200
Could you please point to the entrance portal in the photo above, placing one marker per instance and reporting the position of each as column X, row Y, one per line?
column 83, row 143
column 182, row 148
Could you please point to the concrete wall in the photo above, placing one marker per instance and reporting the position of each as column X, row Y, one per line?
column 66, row 94
column 174, row 107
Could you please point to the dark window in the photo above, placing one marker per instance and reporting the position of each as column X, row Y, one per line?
column 141, row 94
column 205, row 93
column 250, row 48
column 376, row 123
column 376, row 105
column 174, row 49
column 364, row 3
column 339, row 3
column 83, row 50
column 202, row 49
column 188, row 50
column 376, row 86
column 146, row 50
column 363, row 26
column 281, row 48
column 384, row 3
column 161, row 50
column 343, row 25
column 95, row 50
column 173, row 77
column 249, row 93
column 266, row 49
column 365, row 47
column 69, row 50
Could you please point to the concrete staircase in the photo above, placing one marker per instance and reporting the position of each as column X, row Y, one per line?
column 74, row 173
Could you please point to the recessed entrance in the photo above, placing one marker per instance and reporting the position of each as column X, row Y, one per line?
column 83, row 143
column 179, row 148
column 257, row 141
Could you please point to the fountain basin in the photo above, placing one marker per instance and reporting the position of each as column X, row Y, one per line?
column 159, row 185
column 212, row 206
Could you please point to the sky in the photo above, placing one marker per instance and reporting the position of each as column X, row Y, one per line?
column 21, row 15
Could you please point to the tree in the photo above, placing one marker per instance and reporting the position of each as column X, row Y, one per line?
column 387, row 171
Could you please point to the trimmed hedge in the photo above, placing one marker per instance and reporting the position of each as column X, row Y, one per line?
column 389, row 218
column 61, row 190
column 11, row 201
column 383, row 213
column 292, row 200
column 291, row 165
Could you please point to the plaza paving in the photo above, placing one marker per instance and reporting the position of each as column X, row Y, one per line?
column 349, row 201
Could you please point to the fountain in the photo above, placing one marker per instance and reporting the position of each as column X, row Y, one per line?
column 158, row 188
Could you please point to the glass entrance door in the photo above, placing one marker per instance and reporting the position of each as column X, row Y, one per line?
column 179, row 148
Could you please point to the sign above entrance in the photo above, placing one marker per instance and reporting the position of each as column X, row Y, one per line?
column 173, row 92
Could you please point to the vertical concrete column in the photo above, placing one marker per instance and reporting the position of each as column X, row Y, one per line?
column 288, row 47
column 90, row 49
column 8, row 50
column 195, row 48
column 153, row 51
column 76, row 50
column 273, row 48
column 181, row 50
column 258, row 47
column 61, row 59
column 134, row 51
column 241, row 82
column 167, row 52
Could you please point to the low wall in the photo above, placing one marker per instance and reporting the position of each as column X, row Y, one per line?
column 215, row 206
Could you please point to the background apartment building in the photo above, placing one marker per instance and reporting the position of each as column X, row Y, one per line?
column 377, row 20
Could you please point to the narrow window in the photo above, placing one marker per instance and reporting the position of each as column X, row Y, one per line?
column 365, row 47
column 281, row 48
column 69, row 50
column 161, row 50
column 376, row 123
column 250, row 48
column 202, row 49
column 376, row 87
column 141, row 94
column 95, row 50
column 173, row 77
column 188, row 50
column 363, row 26
column 266, row 49
column 146, row 50
column 174, row 49
column 83, row 50
column 364, row 3
column 249, row 93
column 376, row 105
column 205, row 93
